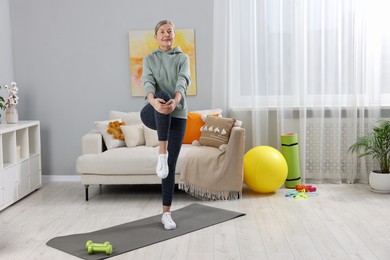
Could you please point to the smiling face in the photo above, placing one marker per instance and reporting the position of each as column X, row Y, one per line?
column 165, row 36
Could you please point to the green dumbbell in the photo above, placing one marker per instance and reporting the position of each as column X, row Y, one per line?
column 95, row 247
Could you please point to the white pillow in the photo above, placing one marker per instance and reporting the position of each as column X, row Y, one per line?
column 134, row 135
column 204, row 113
column 130, row 118
column 109, row 139
column 151, row 138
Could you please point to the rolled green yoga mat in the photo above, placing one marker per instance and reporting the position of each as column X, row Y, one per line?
column 290, row 151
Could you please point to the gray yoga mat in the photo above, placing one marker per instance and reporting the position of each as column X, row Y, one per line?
column 140, row 233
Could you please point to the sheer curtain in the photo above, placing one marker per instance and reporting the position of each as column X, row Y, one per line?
column 313, row 67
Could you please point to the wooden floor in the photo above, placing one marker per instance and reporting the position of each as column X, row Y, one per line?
column 342, row 222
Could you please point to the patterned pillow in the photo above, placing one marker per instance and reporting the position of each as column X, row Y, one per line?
column 216, row 131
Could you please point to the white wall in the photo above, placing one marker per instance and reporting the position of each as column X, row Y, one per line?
column 71, row 64
column 6, row 59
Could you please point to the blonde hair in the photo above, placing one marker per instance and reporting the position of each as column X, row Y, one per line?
column 160, row 23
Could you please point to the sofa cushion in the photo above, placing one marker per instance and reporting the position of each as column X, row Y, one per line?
column 139, row 160
column 151, row 138
column 109, row 139
column 130, row 118
column 193, row 125
column 207, row 112
column 216, row 131
column 195, row 121
column 134, row 135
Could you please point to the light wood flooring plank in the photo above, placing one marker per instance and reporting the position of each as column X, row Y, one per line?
column 300, row 242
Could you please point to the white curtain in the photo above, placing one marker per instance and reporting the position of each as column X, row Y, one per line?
column 317, row 68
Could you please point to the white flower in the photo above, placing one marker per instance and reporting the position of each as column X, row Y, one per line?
column 12, row 98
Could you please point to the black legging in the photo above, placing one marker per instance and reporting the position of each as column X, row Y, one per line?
column 169, row 129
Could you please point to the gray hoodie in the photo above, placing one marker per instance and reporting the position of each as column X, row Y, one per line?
column 168, row 71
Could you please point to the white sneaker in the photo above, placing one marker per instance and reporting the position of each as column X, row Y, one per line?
column 162, row 169
column 167, row 221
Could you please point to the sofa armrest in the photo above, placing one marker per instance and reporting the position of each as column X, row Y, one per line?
column 235, row 150
column 92, row 142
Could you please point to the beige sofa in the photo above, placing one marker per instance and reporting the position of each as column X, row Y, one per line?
column 136, row 165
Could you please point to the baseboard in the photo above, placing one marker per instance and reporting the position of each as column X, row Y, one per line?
column 61, row 178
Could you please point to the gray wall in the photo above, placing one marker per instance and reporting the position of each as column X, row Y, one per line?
column 6, row 60
column 71, row 64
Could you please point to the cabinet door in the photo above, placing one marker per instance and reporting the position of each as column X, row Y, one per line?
column 23, row 179
column 35, row 172
column 10, row 184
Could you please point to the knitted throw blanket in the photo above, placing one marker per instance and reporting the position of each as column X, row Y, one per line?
column 205, row 174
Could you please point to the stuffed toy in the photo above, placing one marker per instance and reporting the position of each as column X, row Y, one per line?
column 114, row 128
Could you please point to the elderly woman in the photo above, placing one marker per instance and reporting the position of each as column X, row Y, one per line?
column 166, row 77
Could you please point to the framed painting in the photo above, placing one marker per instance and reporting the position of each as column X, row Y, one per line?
column 142, row 43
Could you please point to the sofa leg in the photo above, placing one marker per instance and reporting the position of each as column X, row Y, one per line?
column 86, row 192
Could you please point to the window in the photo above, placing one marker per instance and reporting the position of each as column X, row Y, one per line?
column 309, row 52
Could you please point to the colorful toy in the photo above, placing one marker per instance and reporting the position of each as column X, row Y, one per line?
column 301, row 195
column 265, row 169
column 290, row 151
column 95, row 247
column 305, row 188
column 291, row 194
column 297, row 195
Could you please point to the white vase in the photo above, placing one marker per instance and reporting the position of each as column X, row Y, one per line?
column 11, row 115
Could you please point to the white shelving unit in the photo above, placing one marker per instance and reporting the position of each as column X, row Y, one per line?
column 20, row 161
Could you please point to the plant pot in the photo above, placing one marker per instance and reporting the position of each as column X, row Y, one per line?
column 379, row 182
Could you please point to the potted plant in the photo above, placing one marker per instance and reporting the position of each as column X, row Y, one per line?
column 10, row 102
column 376, row 144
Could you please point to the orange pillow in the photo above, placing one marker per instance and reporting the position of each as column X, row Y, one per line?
column 194, row 123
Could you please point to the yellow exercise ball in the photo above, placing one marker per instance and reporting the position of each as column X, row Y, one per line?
column 265, row 169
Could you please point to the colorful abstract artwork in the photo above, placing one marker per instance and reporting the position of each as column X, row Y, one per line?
column 142, row 43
